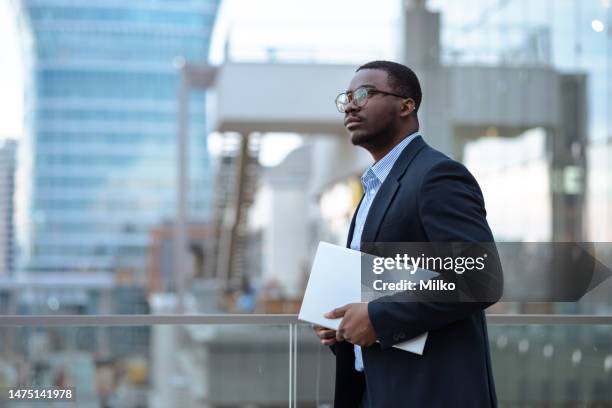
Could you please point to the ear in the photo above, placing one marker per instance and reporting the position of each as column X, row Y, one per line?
column 408, row 106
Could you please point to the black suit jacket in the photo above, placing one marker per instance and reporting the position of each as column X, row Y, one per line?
column 427, row 197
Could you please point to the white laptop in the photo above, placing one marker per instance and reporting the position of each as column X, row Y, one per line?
column 335, row 280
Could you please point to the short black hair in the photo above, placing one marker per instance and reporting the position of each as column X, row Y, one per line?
column 401, row 79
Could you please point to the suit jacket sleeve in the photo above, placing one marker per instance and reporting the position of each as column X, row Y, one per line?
column 451, row 209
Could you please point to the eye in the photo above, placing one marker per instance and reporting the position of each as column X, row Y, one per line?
column 360, row 93
column 341, row 102
column 342, row 98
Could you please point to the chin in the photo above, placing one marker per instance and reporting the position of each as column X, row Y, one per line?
column 360, row 138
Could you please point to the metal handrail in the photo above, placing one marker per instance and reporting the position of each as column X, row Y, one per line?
column 264, row 319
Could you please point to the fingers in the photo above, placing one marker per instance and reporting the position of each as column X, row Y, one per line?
column 316, row 328
column 337, row 312
column 323, row 332
column 326, row 336
column 328, row 342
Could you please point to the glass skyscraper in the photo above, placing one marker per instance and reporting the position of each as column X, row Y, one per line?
column 101, row 124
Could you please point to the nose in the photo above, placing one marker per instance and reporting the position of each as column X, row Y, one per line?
column 351, row 107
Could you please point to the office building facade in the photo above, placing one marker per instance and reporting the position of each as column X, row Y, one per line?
column 101, row 127
column 8, row 150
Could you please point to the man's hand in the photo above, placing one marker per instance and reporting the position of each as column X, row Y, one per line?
column 355, row 326
column 327, row 336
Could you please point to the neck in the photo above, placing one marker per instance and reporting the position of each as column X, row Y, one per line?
column 378, row 152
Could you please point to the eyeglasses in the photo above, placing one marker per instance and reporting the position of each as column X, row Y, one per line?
column 359, row 97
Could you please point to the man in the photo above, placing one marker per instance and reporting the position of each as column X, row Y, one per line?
column 413, row 193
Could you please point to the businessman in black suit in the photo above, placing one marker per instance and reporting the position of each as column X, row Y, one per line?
column 413, row 193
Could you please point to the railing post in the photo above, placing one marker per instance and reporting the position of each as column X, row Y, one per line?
column 295, row 343
column 291, row 365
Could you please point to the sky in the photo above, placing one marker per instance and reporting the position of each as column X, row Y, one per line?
column 315, row 30
column 11, row 76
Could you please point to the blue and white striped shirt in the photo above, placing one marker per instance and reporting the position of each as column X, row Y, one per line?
column 372, row 179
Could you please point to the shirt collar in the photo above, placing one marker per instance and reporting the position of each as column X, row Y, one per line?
column 382, row 168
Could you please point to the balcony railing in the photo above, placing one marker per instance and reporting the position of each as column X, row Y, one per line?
column 540, row 360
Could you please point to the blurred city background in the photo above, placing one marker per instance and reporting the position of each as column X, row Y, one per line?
column 185, row 157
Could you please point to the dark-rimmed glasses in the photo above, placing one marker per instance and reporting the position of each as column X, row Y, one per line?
column 359, row 97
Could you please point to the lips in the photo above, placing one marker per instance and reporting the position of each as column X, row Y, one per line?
column 352, row 121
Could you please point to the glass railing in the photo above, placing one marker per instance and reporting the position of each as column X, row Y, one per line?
column 552, row 365
column 271, row 360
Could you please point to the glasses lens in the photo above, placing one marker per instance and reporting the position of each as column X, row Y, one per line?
column 341, row 102
column 360, row 96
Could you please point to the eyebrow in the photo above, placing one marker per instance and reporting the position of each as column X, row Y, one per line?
column 363, row 86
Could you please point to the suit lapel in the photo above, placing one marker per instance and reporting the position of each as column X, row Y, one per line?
column 378, row 209
column 352, row 227
column 387, row 191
